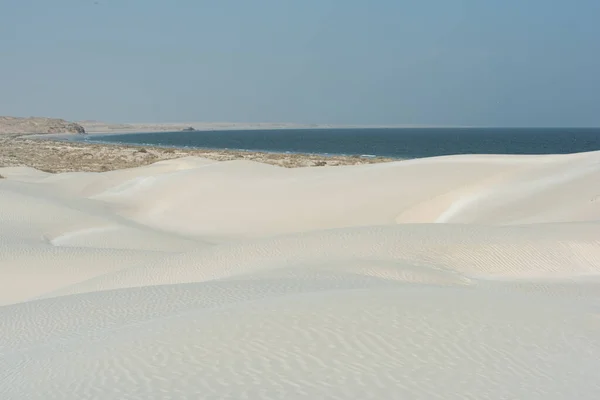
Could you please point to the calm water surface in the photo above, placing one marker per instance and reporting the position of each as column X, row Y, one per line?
column 400, row 143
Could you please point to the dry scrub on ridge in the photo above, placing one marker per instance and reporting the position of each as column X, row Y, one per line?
column 69, row 156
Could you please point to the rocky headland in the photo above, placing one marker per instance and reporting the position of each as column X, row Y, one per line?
column 37, row 125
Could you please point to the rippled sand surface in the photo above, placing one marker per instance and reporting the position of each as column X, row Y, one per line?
column 460, row 277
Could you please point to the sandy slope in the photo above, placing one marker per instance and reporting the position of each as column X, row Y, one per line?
column 451, row 277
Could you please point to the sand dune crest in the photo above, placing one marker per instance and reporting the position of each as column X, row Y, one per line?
column 451, row 277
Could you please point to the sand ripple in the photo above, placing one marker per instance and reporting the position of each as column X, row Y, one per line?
column 467, row 277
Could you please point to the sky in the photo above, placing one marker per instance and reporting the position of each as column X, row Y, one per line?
column 393, row 62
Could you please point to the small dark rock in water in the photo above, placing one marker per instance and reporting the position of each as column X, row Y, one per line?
column 188, row 129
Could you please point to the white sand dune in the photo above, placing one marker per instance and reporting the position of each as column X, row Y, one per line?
column 451, row 277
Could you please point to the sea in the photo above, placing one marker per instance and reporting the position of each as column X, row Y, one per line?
column 400, row 143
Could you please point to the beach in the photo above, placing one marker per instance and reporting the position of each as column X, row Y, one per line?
column 139, row 273
column 299, row 200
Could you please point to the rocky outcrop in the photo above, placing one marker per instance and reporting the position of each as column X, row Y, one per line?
column 38, row 125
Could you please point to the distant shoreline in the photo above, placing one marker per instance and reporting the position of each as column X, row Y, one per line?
column 101, row 128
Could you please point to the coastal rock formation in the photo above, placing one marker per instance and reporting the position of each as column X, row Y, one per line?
column 38, row 125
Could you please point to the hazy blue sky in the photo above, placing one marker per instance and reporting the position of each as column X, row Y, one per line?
column 439, row 62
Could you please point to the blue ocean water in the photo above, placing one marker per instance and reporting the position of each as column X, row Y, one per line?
column 398, row 143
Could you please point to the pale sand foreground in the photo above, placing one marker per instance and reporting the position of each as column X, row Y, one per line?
column 463, row 277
